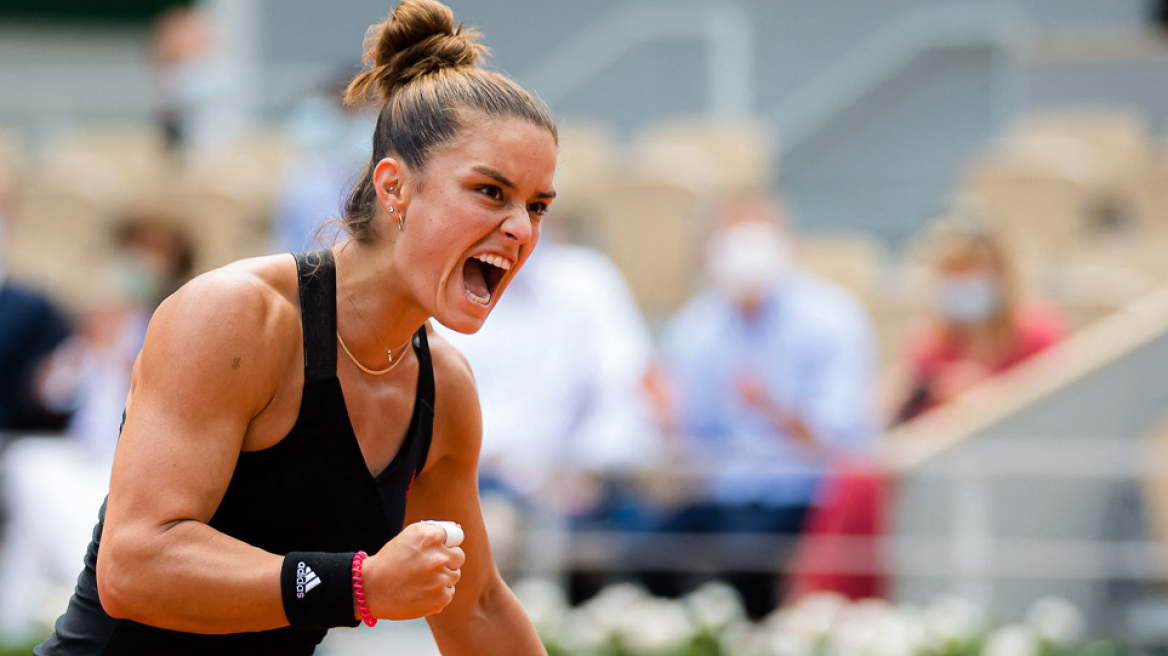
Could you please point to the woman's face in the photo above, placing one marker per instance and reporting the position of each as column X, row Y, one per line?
column 968, row 287
column 473, row 218
column 964, row 262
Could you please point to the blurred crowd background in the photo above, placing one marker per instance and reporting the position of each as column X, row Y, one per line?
column 848, row 296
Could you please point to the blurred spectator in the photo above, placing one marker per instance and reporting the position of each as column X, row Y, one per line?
column 771, row 370
column 559, row 367
column 89, row 375
column 156, row 258
column 192, row 81
column 52, row 485
column 980, row 324
column 332, row 143
column 30, row 328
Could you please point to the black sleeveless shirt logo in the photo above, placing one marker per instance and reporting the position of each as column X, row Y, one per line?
column 310, row 492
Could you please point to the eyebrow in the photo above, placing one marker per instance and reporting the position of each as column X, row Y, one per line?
column 506, row 182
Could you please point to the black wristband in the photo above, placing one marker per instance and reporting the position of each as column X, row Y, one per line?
column 317, row 589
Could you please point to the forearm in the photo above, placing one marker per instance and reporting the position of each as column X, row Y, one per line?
column 192, row 578
column 497, row 624
column 794, row 426
column 788, row 423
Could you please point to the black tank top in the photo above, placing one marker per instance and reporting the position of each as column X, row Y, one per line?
column 310, row 492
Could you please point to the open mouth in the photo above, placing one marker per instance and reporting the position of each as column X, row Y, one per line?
column 481, row 275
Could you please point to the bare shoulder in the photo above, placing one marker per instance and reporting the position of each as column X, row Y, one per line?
column 452, row 372
column 244, row 316
column 269, row 275
column 458, row 417
column 242, row 292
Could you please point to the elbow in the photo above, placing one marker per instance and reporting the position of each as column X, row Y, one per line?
column 493, row 599
column 116, row 587
column 115, row 605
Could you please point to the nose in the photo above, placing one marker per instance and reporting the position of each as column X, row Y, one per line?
column 517, row 225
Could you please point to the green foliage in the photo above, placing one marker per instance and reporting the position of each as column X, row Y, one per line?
column 1094, row 648
column 7, row 649
column 703, row 644
column 970, row 647
column 554, row 649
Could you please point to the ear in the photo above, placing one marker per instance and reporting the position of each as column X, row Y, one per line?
column 388, row 177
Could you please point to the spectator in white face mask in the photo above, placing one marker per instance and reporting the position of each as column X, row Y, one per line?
column 980, row 325
column 771, row 372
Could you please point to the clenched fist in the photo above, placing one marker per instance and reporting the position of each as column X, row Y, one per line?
column 413, row 575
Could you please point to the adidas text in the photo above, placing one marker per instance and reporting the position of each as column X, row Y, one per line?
column 306, row 579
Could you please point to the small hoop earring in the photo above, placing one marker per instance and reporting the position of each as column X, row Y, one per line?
column 401, row 223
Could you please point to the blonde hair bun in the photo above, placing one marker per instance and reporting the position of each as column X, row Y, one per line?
column 419, row 38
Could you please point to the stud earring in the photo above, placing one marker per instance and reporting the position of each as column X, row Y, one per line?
column 390, row 208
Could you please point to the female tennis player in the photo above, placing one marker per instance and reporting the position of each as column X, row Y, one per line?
column 292, row 420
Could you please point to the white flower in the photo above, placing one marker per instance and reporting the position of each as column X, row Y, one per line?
column 853, row 628
column 949, row 618
column 739, row 638
column 715, row 606
column 770, row 641
column 812, row 614
column 545, row 603
column 610, row 606
column 874, row 627
column 582, row 634
column 866, row 611
column 1057, row 620
column 1012, row 640
column 899, row 632
column 800, row 629
column 656, row 626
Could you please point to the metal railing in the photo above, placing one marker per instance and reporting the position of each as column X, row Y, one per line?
column 725, row 27
column 873, row 62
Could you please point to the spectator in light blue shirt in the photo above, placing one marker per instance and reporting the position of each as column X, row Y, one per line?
column 771, row 371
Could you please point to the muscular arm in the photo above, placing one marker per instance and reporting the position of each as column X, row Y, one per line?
column 210, row 363
column 484, row 616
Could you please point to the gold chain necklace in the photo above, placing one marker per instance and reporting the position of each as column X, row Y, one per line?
column 388, row 351
column 373, row 372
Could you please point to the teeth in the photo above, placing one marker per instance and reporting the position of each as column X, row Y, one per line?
column 481, row 300
column 495, row 260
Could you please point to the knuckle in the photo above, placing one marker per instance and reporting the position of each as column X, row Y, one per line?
column 433, row 535
column 441, row 601
column 458, row 557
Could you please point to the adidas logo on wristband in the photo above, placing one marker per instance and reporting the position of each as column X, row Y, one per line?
column 306, row 579
column 329, row 605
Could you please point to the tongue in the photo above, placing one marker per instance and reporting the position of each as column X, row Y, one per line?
column 472, row 278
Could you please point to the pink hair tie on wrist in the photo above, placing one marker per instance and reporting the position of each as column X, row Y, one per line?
column 359, row 589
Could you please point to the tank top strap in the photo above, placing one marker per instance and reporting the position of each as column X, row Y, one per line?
column 425, row 367
column 317, row 274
